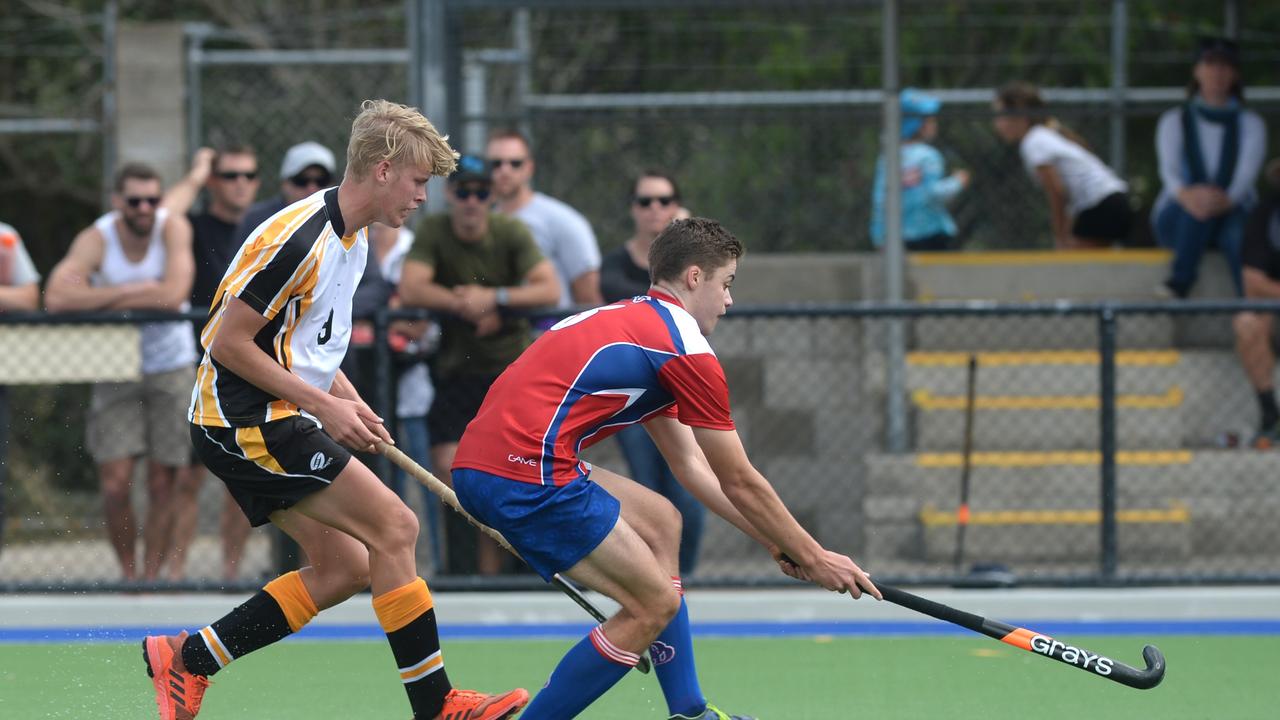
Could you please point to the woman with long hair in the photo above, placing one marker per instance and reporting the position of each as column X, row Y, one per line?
column 1088, row 203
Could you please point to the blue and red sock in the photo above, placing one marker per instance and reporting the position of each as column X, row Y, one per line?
column 673, row 663
column 585, row 673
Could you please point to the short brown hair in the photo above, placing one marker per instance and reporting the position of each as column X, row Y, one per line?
column 134, row 171
column 512, row 134
column 233, row 148
column 694, row 241
column 390, row 131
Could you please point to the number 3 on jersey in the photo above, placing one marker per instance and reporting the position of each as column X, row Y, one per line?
column 575, row 319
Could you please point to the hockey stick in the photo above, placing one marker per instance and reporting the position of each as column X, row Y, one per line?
column 447, row 496
column 1032, row 641
column 1038, row 643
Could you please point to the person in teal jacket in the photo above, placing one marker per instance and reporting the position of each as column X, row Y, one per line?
column 926, row 188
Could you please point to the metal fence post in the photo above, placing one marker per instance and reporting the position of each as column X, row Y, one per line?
column 894, row 255
column 383, row 381
column 1107, row 438
column 1119, row 82
column 110, row 15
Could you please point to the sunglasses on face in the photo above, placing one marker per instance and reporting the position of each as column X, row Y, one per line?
column 645, row 201
column 314, row 180
column 465, row 194
column 230, row 175
column 515, row 163
column 136, row 202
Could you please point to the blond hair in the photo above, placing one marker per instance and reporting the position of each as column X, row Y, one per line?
column 385, row 130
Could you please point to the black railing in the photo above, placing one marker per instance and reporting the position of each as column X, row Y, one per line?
column 766, row 343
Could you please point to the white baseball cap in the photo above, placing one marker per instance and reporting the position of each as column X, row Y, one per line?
column 304, row 155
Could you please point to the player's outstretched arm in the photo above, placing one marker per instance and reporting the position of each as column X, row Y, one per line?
column 680, row 449
column 752, row 494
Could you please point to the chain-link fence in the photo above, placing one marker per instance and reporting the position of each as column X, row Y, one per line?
column 768, row 114
column 1106, row 443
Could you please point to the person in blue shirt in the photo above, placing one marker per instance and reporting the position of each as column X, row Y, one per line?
column 926, row 188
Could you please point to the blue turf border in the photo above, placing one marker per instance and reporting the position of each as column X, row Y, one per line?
column 325, row 632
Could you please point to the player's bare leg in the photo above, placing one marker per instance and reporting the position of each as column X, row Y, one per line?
column 359, row 504
column 623, row 567
column 658, row 522
column 115, row 478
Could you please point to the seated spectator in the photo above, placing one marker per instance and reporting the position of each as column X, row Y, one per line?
column 1255, row 331
column 1088, row 203
column 469, row 264
column 230, row 174
column 1210, row 150
column 926, row 188
column 562, row 233
column 624, row 273
column 19, row 291
column 137, row 257
column 307, row 168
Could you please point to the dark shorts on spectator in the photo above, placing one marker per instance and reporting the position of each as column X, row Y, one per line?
column 1110, row 219
column 458, row 399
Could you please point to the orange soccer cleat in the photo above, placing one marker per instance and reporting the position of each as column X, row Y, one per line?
column 178, row 692
column 472, row 705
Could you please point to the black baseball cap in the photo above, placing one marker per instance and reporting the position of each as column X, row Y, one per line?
column 1218, row 48
column 471, row 168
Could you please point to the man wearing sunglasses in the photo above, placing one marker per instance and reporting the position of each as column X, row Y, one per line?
column 136, row 257
column 469, row 264
column 562, row 233
column 307, row 168
column 230, row 174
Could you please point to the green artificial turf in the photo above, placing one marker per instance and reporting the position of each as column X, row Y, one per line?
column 773, row 679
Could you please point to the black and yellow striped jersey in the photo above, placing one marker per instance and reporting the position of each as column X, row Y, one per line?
column 299, row 268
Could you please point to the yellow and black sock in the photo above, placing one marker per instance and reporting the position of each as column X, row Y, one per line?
column 282, row 607
column 408, row 617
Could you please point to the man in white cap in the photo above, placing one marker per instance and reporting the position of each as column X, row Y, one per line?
column 307, row 168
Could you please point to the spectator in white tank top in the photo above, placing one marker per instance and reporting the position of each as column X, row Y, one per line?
column 136, row 257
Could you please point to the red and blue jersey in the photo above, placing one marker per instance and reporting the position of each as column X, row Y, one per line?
column 586, row 378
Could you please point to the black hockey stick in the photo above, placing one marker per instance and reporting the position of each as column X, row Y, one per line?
column 446, row 495
column 962, row 512
column 1038, row 643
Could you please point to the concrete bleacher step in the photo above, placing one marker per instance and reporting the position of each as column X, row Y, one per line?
column 1032, row 275
column 1229, row 498
column 1072, row 371
column 1033, row 332
column 1215, row 395
column 1079, row 275
column 1223, row 473
column 1045, row 422
column 1142, row 534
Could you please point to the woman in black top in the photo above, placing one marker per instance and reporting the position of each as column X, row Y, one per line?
column 624, row 273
